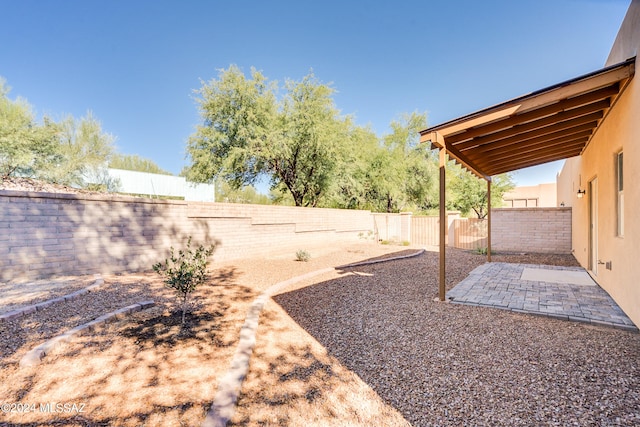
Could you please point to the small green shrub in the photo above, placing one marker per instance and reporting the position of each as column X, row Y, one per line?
column 481, row 251
column 185, row 271
column 302, row 255
column 367, row 236
column 406, row 243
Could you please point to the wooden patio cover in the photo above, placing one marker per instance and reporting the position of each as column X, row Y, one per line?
column 550, row 124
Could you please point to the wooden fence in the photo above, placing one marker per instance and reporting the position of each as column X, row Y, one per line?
column 466, row 233
column 470, row 233
column 425, row 230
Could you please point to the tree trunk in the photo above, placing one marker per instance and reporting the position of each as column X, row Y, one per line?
column 184, row 307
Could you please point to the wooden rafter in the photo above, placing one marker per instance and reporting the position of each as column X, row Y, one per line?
column 566, row 104
column 536, row 128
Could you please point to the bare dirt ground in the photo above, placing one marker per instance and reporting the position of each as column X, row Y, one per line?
column 143, row 369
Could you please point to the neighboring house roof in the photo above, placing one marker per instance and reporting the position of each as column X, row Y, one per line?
column 550, row 124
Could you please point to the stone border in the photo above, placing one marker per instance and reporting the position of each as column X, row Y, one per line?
column 34, row 356
column 23, row 311
column 229, row 386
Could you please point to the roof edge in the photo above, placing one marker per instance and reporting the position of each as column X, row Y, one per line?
column 629, row 62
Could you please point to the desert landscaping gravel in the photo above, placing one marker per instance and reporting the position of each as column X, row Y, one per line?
column 445, row 364
column 360, row 346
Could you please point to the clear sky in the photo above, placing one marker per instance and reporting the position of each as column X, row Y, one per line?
column 135, row 64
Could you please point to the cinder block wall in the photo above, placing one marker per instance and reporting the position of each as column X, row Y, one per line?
column 43, row 234
column 542, row 230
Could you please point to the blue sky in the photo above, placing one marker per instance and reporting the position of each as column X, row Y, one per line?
column 135, row 64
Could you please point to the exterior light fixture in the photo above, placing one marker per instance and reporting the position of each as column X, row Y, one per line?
column 581, row 193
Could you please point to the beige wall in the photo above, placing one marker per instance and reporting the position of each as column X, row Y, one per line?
column 619, row 131
column 45, row 234
column 540, row 230
column 541, row 195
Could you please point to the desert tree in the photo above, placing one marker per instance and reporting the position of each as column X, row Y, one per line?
column 185, row 270
column 26, row 147
column 84, row 149
column 247, row 133
column 469, row 193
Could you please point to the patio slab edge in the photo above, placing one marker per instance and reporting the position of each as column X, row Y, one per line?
column 553, row 316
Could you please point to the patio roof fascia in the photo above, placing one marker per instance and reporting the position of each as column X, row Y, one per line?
column 473, row 134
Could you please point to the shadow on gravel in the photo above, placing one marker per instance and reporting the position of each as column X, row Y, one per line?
column 446, row 364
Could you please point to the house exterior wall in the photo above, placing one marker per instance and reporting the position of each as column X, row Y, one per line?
column 619, row 131
column 541, row 195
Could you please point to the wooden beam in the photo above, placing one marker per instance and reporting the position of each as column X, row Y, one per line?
column 497, row 162
column 530, row 130
column 582, row 113
column 499, row 147
column 443, row 226
column 601, row 95
column 572, row 126
column 477, row 120
column 527, row 149
column 538, row 161
column 578, row 87
column 435, row 138
column 534, row 145
column 467, row 164
column 488, row 221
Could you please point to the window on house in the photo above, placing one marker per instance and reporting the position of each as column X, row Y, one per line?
column 620, row 193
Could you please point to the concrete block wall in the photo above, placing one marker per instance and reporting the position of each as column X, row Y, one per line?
column 542, row 230
column 43, row 234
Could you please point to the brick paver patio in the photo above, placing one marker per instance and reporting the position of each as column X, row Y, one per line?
column 501, row 285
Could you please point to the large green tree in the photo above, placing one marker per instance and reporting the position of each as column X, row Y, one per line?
column 72, row 151
column 349, row 188
column 83, row 150
column 26, row 147
column 246, row 133
column 238, row 116
column 401, row 171
column 305, row 152
column 469, row 193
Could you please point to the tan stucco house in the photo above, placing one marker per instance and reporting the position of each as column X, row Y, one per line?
column 531, row 196
column 593, row 123
column 602, row 186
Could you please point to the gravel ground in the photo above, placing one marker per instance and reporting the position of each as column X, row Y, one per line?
column 445, row 364
column 23, row 333
column 361, row 346
column 20, row 293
